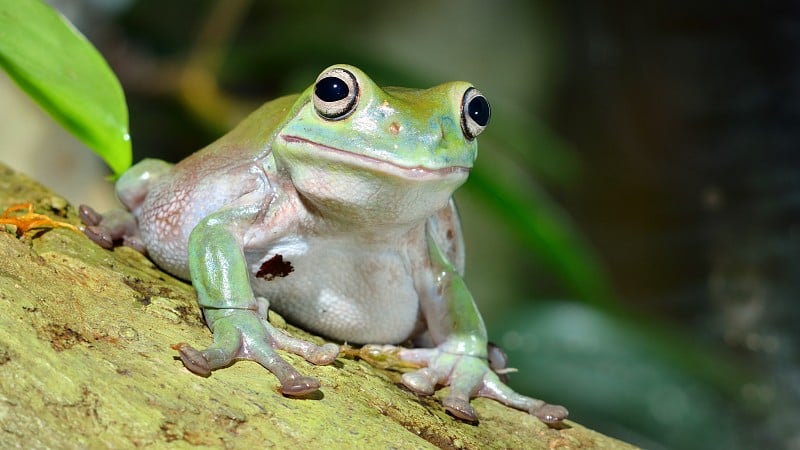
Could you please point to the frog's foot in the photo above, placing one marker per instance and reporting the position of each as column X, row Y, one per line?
column 116, row 227
column 241, row 334
column 468, row 377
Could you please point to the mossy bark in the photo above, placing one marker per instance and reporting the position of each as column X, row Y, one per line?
column 85, row 362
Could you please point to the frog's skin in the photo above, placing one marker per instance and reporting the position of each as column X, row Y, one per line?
column 333, row 207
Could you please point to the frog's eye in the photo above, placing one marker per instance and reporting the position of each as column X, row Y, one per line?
column 475, row 113
column 335, row 94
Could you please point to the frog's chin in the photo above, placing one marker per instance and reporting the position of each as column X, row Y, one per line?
column 391, row 168
column 358, row 189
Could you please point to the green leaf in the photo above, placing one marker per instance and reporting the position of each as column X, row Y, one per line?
column 55, row 64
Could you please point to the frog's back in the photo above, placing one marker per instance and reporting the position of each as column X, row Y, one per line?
column 209, row 180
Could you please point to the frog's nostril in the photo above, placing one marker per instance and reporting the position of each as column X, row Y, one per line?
column 395, row 128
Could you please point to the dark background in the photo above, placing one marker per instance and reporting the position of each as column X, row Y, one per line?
column 658, row 139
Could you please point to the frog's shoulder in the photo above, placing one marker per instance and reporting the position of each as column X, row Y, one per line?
column 445, row 227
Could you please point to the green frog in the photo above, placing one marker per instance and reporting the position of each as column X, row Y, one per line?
column 334, row 207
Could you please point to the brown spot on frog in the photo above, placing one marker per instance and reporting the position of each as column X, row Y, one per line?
column 274, row 267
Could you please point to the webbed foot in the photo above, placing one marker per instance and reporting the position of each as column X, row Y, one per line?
column 468, row 377
column 242, row 334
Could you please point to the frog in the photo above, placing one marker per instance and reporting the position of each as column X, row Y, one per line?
column 333, row 207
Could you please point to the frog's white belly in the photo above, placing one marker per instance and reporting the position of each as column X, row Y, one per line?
column 339, row 289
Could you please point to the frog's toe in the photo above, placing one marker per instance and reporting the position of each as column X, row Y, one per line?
column 498, row 361
column 551, row 414
column 492, row 387
column 226, row 347
column 99, row 236
column 299, row 386
column 96, row 233
column 422, row 381
column 320, row 355
column 292, row 382
column 89, row 216
column 193, row 359
column 323, row 355
column 460, row 407
column 112, row 228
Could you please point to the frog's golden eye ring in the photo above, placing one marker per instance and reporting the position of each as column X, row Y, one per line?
column 335, row 94
column 475, row 113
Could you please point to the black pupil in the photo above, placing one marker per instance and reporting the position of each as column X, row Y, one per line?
column 478, row 110
column 331, row 89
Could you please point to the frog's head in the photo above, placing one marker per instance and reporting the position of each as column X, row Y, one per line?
column 392, row 155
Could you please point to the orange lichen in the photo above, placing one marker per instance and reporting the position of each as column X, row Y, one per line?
column 30, row 220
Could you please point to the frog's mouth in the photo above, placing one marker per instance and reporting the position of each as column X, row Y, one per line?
column 381, row 165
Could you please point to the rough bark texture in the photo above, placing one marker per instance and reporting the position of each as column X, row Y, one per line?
column 85, row 362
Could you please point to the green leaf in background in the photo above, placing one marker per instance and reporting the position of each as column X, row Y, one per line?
column 55, row 64
column 544, row 227
column 640, row 380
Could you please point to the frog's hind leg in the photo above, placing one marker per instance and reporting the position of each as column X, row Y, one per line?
column 114, row 228
column 119, row 227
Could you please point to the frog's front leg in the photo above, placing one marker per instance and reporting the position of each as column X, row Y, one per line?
column 460, row 358
column 238, row 320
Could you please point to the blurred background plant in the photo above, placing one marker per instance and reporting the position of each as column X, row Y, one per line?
column 631, row 224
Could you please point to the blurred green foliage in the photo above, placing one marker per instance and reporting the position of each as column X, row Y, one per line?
column 655, row 386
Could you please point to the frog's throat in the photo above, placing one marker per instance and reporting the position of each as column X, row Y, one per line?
column 417, row 172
